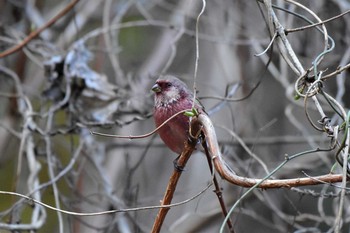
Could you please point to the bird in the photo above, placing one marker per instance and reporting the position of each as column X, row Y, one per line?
column 171, row 95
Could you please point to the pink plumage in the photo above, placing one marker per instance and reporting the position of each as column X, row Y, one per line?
column 172, row 96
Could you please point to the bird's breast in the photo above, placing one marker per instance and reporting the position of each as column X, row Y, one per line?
column 175, row 132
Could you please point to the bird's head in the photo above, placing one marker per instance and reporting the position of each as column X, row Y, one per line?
column 168, row 90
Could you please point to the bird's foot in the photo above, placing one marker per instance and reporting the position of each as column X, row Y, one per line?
column 178, row 167
column 192, row 140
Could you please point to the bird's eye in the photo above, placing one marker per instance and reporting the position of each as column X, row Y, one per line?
column 169, row 84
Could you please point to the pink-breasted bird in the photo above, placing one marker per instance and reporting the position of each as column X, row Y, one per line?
column 172, row 96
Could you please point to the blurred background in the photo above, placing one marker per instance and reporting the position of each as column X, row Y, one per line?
column 92, row 70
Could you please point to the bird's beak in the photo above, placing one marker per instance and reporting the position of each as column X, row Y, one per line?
column 156, row 88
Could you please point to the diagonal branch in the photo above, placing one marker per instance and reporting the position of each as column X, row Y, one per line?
column 37, row 32
column 218, row 189
column 181, row 162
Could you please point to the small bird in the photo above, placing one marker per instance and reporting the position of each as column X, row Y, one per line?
column 172, row 96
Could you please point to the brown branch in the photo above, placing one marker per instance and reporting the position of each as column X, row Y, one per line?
column 218, row 190
column 181, row 163
column 35, row 33
column 207, row 128
column 225, row 173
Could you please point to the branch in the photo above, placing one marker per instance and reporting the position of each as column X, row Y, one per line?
column 336, row 72
column 36, row 33
column 181, row 162
column 218, row 189
column 225, row 173
column 316, row 24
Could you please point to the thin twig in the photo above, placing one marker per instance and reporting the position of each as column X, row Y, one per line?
column 197, row 53
column 337, row 71
column 345, row 151
column 140, row 136
column 316, row 24
column 50, row 164
column 268, row 47
column 36, row 33
column 114, row 211
column 218, row 190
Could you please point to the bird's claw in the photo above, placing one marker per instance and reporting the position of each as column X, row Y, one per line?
column 192, row 139
column 177, row 167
